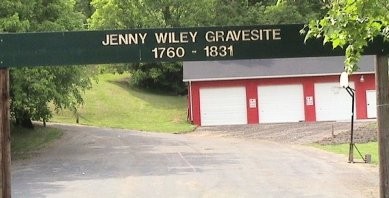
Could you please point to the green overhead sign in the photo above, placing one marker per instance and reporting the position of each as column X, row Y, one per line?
column 168, row 44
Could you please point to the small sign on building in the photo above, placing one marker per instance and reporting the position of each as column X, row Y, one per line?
column 252, row 103
column 309, row 100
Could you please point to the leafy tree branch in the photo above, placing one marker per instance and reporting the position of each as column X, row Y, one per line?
column 352, row 24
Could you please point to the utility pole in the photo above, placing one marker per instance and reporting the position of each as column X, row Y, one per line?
column 382, row 87
column 5, row 135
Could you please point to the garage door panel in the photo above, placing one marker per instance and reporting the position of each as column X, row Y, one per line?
column 281, row 103
column 223, row 106
column 332, row 102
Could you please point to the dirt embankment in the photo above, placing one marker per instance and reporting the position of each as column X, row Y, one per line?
column 362, row 134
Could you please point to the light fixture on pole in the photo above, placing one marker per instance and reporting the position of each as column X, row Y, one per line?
column 343, row 80
column 345, row 84
column 362, row 79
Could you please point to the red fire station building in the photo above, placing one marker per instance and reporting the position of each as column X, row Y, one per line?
column 277, row 90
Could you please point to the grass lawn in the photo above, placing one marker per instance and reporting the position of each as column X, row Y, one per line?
column 370, row 148
column 113, row 103
column 25, row 141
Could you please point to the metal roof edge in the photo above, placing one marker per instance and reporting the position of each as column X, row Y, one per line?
column 263, row 77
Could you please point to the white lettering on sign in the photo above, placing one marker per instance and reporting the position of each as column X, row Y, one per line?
column 167, row 43
column 176, row 37
column 170, row 52
column 243, row 35
column 219, row 51
column 276, row 34
column 124, row 39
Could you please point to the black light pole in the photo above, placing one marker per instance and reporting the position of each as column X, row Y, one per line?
column 351, row 92
column 344, row 83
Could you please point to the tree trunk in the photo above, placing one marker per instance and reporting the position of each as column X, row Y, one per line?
column 25, row 122
column 23, row 119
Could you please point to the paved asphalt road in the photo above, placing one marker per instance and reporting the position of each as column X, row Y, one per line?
column 92, row 162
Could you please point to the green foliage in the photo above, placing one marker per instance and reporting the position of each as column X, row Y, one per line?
column 365, row 148
column 115, row 14
column 24, row 142
column 55, row 15
column 113, row 102
column 351, row 24
column 85, row 7
column 283, row 13
column 165, row 77
column 265, row 12
column 309, row 9
column 33, row 88
column 10, row 19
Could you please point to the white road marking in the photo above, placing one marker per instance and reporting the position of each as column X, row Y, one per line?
column 186, row 161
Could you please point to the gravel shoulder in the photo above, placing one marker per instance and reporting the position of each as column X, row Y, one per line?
column 296, row 133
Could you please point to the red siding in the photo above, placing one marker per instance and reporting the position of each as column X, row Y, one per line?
column 196, row 103
column 360, row 93
column 252, row 93
column 189, row 98
column 309, row 91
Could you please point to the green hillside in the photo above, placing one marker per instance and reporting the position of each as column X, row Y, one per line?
column 113, row 103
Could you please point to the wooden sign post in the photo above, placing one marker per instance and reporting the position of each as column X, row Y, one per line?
column 382, row 87
column 5, row 136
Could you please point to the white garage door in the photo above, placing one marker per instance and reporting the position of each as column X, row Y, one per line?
column 223, row 106
column 333, row 103
column 371, row 103
column 281, row 103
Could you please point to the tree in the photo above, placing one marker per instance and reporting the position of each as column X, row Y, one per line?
column 10, row 19
column 230, row 12
column 32, row 89
column 114, row 14
column 85, row 7
column 352, row 24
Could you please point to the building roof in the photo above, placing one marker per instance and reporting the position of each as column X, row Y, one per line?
column 270, row 68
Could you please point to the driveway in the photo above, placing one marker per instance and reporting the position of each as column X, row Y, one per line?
column 94, row 162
